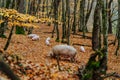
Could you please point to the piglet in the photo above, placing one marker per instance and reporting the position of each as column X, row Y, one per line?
column 47, row 41
column 35, row 38
column 31, row 35
column 82, row 48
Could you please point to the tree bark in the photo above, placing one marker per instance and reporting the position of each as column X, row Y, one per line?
column 9, row 38
column 74, row 20
column 82, row 6
column 118, row 32
column 109, row 17
column 68, row 16
column 56, row 4
column 105, row 33
column 96, row 28
column 63, row 21
column 7, row 70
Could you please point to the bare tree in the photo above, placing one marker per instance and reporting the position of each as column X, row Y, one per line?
column 109, row 17
column 118, row 28
column 96, row 28
column 56, row 4
column 63, row 21
column 68, row 21
column 96, row 67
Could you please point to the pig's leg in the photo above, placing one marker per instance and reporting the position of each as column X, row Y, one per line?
column 73, row 59
column 58, row 59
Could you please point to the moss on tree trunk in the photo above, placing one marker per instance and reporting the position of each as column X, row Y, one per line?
column 94, row 68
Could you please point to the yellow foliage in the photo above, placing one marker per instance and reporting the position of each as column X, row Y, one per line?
column 14, row 18
column 23, row 20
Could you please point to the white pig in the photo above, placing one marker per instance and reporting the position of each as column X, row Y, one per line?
column 31, row 35
column 47, row 42
column 35, row 38
column 65, row 51
column 82, row 48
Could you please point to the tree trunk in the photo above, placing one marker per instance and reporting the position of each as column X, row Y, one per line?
column 109, row 17
column 68, row 16
column 2, row 29
column 89, row 9
column 105, row 34
column 97, row 64
column 38, row 7
column 21, row 9
column 82, row 6
column 7, row 70
column 74, row 21
column 56, row 4
column 63, row 21
column 96, row 28
column 9, row 38
column 118, row 32
column 8, row 3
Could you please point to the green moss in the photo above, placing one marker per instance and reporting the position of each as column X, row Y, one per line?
column 19, row 30
column 3, row 36
column 95, row 64
column 87, row 76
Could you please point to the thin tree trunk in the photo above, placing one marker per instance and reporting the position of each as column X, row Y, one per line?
column 47, row 7
column 56, row 4
column 9, row 38
column 88, row 13
column 21, row 9
column 96, row 28
column 7, row 3
column 82, row 6
column 2, row 29
column 118, row 32
column 63, row 21
column 105, row 34
column 68, row 16
column 109, row 17
column 38, row 7
column 74, row 21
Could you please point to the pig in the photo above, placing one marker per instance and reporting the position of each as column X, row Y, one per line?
column 65, row 51
column 47, row 42
column 82, row 48
column 31, row 35
column 35, row 38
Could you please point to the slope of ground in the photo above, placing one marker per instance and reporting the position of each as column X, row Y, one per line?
column 36, row 52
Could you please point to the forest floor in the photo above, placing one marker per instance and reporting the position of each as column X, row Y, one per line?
column 34, row 54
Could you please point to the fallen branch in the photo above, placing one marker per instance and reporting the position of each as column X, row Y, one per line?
column 108, row 75
column 114, row 74
column 81, row 44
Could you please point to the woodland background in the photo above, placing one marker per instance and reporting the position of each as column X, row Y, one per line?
column 93, row 24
